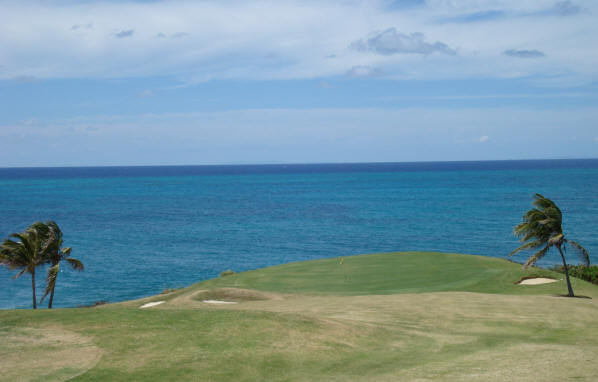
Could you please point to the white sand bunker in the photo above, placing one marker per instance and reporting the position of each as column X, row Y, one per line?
column 219, row 302
column 537, row 281
column 150, row 304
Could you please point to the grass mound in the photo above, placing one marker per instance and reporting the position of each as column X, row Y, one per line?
column 392, row 273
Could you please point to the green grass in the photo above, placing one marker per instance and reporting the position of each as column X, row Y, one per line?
column 386, row 317
column 389, row 273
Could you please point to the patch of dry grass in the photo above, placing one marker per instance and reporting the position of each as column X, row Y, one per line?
column 45, row 354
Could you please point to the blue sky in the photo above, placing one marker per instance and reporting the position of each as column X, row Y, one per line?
column 211, row 82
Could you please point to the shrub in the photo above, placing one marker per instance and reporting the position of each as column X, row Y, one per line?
column 228, row 272
column 581, row 272
column 97, row 303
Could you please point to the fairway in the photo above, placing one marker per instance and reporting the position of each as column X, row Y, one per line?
column 416, row 316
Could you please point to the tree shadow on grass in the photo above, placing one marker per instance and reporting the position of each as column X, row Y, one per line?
column 566, row 295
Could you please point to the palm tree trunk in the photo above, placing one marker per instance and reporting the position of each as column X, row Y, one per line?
column 33, row 288
column 566, row 272
column 51, row 296
column 53, row 286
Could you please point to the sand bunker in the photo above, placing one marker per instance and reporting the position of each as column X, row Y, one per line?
column 219, row 302
column 537, row 281
column 150, row 304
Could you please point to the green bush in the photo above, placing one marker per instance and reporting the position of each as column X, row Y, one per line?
column 169, row 290
column 97, row 303
column 581, row 272
column 228, row 272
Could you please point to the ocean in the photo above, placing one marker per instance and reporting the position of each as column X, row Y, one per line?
column 140, row 230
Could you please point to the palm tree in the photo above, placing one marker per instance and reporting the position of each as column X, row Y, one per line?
column 53, row 255
column 24, row 253
column 542, row 227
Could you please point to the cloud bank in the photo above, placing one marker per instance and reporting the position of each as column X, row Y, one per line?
column 298, row 39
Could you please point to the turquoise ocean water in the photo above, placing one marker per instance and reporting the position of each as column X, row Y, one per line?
column 140, row 230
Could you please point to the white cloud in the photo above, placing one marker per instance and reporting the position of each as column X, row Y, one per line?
column 179, row 35
column 145, row 93
column 484, row 138
column 391, row 42
column 364, row 71
column 566, row 8
column 524, row 53
column 84, row 26
column 264, row 39
column 124, row 33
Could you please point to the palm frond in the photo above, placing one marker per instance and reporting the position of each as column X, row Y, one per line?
column 556, row 239
column 20, row 273
column 521, row 229
column 536, row 256
column 75, row 264
column 50, row 280
column 22, row 253
column 50, row 239
column 531, row 244
column 583, row 254
column 25, row 241
column 542, row 202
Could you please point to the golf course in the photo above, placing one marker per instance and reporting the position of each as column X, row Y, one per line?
column 407, row 316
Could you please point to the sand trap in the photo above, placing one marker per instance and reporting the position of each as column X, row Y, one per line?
column 218, row 302
column 537, row 281
column 150, row 304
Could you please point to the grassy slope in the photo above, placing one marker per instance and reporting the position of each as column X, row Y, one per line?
column 357, row 321
column 388, row 273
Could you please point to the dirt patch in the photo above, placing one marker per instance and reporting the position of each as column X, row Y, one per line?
column 48, row 354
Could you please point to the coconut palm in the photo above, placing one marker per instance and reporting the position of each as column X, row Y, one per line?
column 542, row 227
column 24, row 253
column 53, row 255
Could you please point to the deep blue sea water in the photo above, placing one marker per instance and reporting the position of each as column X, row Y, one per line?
column 140, row 230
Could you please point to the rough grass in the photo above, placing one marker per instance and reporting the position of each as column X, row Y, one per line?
column 396, row 317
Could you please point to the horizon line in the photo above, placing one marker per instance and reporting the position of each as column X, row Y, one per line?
column 302, row 163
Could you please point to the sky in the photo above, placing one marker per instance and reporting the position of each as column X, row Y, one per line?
column 93, row 83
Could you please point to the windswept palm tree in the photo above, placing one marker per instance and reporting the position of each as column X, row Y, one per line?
column 542, row 227
column 25, row 253
column 53, row 255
